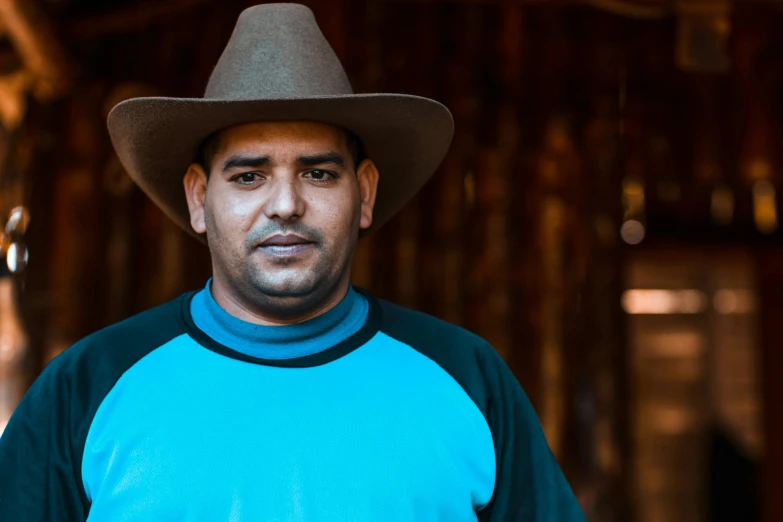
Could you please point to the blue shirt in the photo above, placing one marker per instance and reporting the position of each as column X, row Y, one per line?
column 370, row 412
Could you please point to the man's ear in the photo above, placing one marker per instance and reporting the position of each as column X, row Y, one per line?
column 195, row 182
column 367, row 174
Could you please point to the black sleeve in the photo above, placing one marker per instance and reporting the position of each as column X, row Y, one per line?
column 529, row 485
column 39, row 474
column 42, row 446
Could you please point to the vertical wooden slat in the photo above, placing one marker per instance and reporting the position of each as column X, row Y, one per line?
column 119, row 190
column 554, row 172
column 75, row 268
column 331, row 18
column 495, row 173
column 447, row 242
column 524, row 274
column 603, row 464
column 402, row 70
column 466, row 69
column 366, row 60
column 118, row 249
column 770, row 266
column 454, row 195
column 557, row 173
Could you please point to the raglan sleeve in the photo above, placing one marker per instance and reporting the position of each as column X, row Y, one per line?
column 529, row 484
column 39, row 472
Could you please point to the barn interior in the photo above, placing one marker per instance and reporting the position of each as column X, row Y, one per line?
column 607, row 216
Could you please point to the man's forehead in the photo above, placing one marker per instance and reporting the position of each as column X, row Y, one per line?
column 286, row 134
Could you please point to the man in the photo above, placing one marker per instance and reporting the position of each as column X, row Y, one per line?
column 279, row 392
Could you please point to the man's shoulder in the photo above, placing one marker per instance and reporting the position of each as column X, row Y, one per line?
column 118, row 346
column 80, row 377
column 400, row 320
column 468, row 358
column 446, row 343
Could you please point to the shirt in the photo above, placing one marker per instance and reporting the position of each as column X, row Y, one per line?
column 369, row 412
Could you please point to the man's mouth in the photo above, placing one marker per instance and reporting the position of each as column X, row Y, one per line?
column 285, row 245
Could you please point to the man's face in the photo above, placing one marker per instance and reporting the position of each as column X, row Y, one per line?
column 282, row 206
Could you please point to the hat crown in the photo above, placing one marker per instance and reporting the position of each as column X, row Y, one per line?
column 277, row 51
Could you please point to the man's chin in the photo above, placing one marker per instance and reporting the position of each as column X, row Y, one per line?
column 286, row 287
column 289, row 298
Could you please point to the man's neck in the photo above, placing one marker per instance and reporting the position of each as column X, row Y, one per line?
column 275, row 311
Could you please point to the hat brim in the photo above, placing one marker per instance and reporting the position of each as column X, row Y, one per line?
column 156, row 139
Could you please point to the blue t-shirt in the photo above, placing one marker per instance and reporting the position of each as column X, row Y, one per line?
column 369, row 412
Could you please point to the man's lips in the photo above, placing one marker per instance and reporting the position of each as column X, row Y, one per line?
column 284, row 246
column 287, row 240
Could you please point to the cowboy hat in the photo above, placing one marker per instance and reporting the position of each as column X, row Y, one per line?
column 278, row 66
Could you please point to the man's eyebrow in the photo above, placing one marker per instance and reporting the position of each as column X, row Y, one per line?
column 235, row 162
column 319, row 159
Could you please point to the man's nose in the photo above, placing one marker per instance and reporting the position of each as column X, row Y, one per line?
column 284, row 202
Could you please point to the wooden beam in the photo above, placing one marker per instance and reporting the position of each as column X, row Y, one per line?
column 32, row 34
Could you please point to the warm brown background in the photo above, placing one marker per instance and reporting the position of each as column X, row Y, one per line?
column 516, row 237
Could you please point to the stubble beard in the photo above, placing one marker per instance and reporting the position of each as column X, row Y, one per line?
column 299, row 294
column 296, row 294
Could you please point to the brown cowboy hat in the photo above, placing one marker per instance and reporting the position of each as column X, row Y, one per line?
column 278, row 66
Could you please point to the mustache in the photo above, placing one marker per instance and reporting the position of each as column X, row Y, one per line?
column 254, row 237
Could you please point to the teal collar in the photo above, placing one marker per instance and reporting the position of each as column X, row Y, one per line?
column 279, row 342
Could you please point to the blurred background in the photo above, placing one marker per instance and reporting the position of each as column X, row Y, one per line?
column 607, row 216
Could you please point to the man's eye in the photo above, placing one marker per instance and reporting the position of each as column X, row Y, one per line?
column 320, row 175
column 246, row 179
